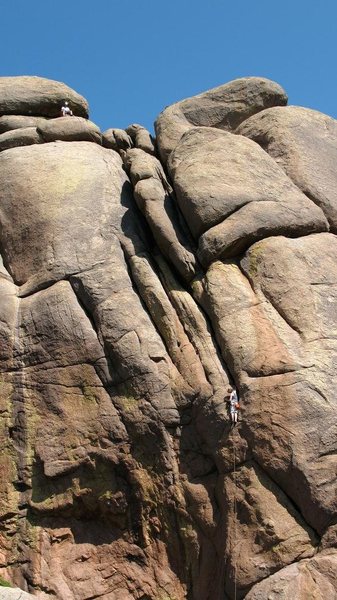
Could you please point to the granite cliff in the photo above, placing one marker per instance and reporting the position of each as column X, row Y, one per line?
column 141, row 280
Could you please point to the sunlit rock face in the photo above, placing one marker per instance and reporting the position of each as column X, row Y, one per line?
column 142, row 279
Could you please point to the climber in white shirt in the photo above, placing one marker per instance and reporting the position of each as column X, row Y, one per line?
column 66, row 110
column 234, row 406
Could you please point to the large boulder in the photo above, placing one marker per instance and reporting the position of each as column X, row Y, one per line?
column 70, row 129
column 66, row 177
column 141, row 138
column 10, row 122
column 263, row 530
column 19, row 137
column 228, row 185
column 97, row 379
column 256, row 221
column 116, row 139
column 224, row 107
column 26, row 95
column 304, row 143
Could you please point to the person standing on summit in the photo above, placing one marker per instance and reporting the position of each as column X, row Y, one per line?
column 66, row 110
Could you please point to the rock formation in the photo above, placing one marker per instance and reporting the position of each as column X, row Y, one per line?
column 140, row 281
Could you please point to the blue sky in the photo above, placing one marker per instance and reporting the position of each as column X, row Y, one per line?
column 131, row 58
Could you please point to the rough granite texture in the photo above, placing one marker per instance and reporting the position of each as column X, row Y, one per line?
column 140, row 280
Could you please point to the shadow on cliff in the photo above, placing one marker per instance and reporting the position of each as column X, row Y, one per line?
column 96, row 492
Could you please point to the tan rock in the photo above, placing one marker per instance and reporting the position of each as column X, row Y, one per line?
column 11, row 122
column 254, row 339
column 116, row 571
column 281, row 352
column 218, row 175
column 121, row 474
column 70, row 129
column 223, row 107
column 116, row 139
column 89, row 382
column 64, row 179
column 141, row 138
column 154, row 198
column 37, row 96
column 263, row 530
column 258, row 220
column 197, row 329
column 304, row 144
column 19, row 137
column 9, row 311
column 141, row 365
column 166, row 319
column 313, row 578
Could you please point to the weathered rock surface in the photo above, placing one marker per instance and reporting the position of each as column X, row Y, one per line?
column 19, row 137
column 10, row 122
column 304, row 143
column 314, row 578
column 121, row 476
column 256, row 221
column 154, row 197
column 70, row 129
column 38, row 96
column 116, row 139
column 268, row 527
column 141, row 138
column 16, row 594
column 251, row 200
column 224, row 107
column 281, row 352
column 62, row 176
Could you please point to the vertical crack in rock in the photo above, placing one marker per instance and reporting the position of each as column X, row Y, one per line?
column 154, row 197
column 169, row 326
column 268, row 521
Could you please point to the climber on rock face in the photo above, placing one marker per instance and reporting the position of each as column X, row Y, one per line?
column 234, row 406
column 66, row 110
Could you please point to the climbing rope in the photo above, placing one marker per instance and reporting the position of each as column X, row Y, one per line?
column 235, row 511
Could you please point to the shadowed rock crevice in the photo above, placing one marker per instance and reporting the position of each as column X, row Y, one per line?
column 154, row 197
column 196, row 326
column 167, row 322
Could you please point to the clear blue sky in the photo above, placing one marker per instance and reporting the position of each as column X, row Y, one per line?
column 131, row 58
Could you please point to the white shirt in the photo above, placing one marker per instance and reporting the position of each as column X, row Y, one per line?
column 233, row 399
column 66, row 111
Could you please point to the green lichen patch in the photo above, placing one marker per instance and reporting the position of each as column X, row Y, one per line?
column 88, row 393
column 254, row 256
